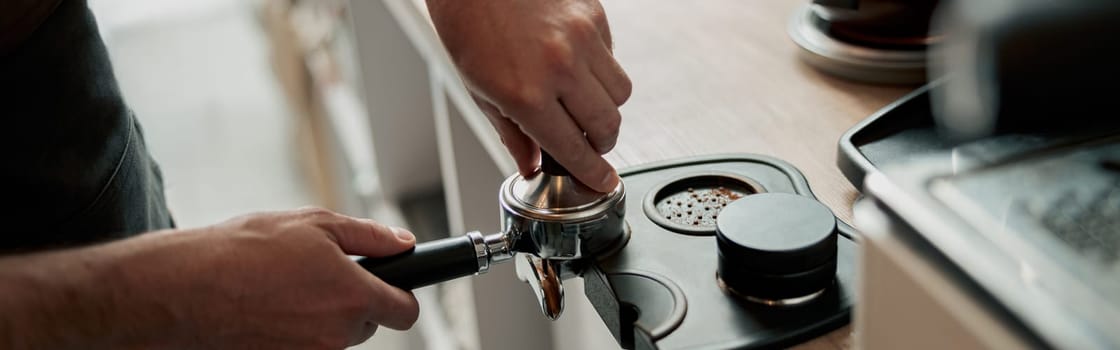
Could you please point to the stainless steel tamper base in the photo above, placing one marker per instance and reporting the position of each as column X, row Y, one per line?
column 770, row 302
column 556, row 217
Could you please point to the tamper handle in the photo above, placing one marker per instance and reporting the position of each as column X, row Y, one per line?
column 427, row 263
column 551, row 167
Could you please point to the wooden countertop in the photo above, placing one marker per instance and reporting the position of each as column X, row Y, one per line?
column 723, row 77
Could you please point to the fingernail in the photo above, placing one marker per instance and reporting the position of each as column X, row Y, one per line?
column 605, row 148
column 403, row 234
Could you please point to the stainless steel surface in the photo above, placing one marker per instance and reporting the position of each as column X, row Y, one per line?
column 490, row 249
column 578, row 217
column 556, row 198
column 498, row 247
column 768, row 302
column 544, row 280
column 785, row 302
column 554, row 220
column 480, row 251
column 994, row 223
column 854, row 62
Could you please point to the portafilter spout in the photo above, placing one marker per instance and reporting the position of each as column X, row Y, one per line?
column 552, row 219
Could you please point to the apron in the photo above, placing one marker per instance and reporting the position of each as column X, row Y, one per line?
column 74, row 169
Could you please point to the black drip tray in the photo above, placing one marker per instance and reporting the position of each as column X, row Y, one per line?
column 661, row 291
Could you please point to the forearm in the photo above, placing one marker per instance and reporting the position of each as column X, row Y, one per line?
column 262, row 281
column 71, row 299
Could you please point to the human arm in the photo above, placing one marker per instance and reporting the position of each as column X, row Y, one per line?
column 544, row 74
column 268, row 280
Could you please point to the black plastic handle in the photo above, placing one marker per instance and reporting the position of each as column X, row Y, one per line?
column 551, row 167
column 844, row 4
column 426, row 264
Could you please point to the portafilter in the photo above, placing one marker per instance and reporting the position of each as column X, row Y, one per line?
column 551, row 223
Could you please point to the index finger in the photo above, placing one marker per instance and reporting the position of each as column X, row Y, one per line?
column 557, row 133
column 361, row 236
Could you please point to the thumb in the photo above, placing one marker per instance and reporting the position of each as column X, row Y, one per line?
column 370, row 238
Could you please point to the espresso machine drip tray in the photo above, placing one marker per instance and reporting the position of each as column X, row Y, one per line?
column 727, row 251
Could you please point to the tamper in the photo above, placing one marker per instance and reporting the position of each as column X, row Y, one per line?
column 776, row 248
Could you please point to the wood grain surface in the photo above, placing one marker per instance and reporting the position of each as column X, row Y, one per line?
column 722, row 76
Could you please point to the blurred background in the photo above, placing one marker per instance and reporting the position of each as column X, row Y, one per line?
column 224, row 94
column 197, row 75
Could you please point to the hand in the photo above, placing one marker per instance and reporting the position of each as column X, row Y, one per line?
column 271, row 280
column 543, row 73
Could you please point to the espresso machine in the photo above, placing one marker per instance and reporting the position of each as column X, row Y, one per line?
column 990, row 215
column 725, row 251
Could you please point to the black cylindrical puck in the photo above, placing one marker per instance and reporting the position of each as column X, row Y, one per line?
column 776, row 246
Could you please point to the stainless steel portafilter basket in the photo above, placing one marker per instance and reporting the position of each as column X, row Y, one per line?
column 551, row 223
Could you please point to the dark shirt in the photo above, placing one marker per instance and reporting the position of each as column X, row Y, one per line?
column 74, row 169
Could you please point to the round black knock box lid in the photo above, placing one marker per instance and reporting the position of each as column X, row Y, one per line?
column 776, row 234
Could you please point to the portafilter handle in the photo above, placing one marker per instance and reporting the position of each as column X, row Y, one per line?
column 440, row 260
column 471, row 254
